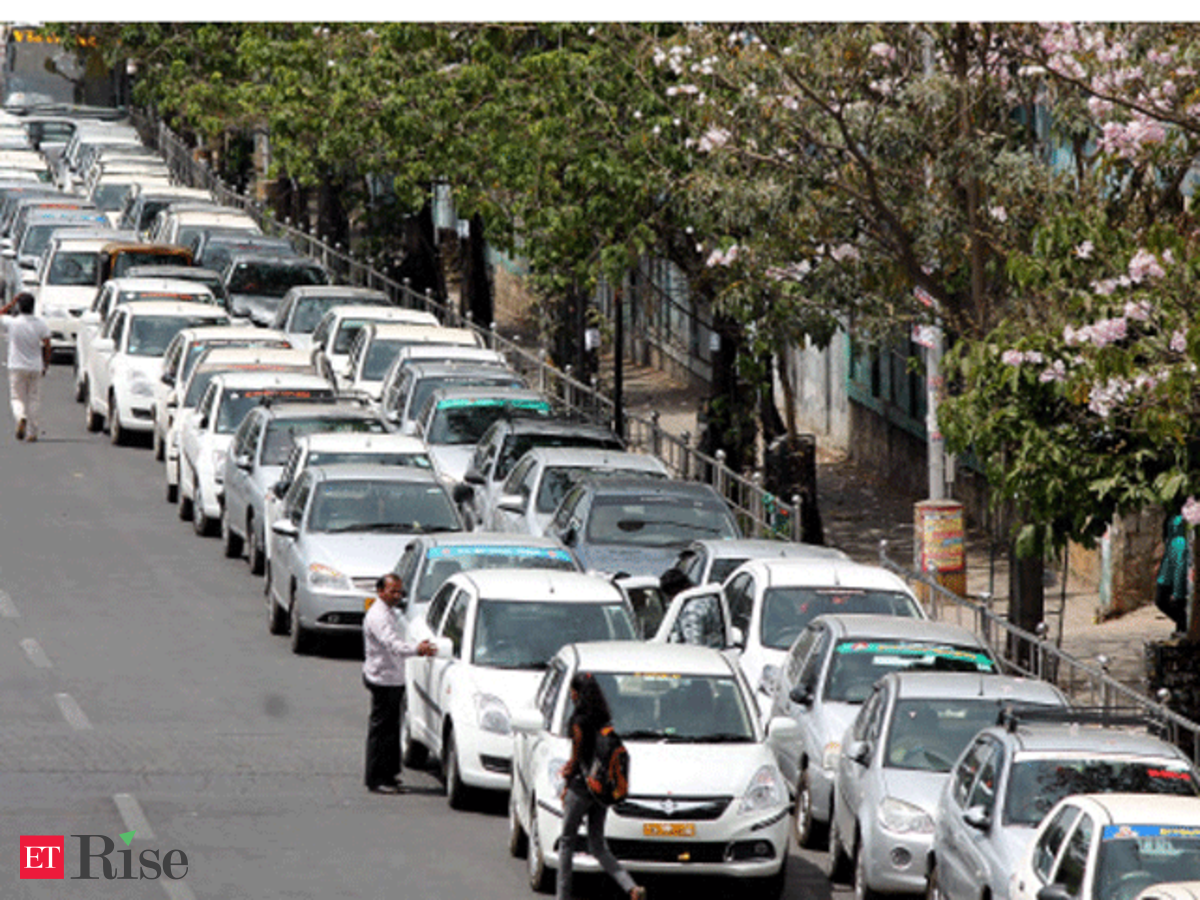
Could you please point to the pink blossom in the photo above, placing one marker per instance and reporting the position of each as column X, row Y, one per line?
column 1138, row 310
column 886, row 52
column 999, row 213
column 1144, row 265
column 1012, row 357
column 1084, row 250
column 1191, row 511
column 1178, row 341
column 712, row 139
column 844, row 252
column 1056, row 371
column 725, row 258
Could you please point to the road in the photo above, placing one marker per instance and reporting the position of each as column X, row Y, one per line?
column 140, row 691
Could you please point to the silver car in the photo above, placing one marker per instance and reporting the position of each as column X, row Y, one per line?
column 343, row 527
column 894, row 760
column 828, row 673
column 1013, row 773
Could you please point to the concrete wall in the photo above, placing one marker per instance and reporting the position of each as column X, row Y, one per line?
column 819, row 379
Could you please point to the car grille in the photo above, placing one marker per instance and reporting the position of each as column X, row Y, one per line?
column 692, row 809
column 341, row 618
column 78, row 312
column 496, row 764
column 668, row 851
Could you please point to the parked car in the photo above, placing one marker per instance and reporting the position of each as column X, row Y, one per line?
column 214, row 247
column 304, row 306
column 118, row 257
column 526, row 502
column 828, row 673
column 1109, row 847
column 377, row 344
column 343, row 527
column 206, row 277
column 146, row 202
column 256, row 283
column 178, row 223
column 22, row 261
column 68, row 279
column 705, row 796
column 1014, row 772
column 637, row 526
column 407, row 386
column 334, row 335
column 504, row 626
column 894, row 760
column 711, row 562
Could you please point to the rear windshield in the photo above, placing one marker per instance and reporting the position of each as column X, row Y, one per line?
column 149, row 335
column 857, row 665
column 236, row 403
column 78, row 267
column 786, row 610
column 658, row 520
column 442, row 562
column 465, row 421
column 281, row 433
column 1035, row 785
column 126, row 260
column 271, row 280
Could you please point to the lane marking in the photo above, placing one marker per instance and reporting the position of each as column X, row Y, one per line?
column 72, row 712
column 135, row 819
column 8, row 609
column 36, row 654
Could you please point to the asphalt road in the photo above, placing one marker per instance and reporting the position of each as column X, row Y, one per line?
column 140, row 691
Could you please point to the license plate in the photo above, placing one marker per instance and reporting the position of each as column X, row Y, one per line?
column 669, row 829
column 367, row 602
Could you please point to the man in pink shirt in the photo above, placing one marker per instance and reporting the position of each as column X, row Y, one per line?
column 384, row 653
column 28, row 359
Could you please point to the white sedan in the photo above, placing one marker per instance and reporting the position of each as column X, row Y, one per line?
column 505, row 624
column 705, row 795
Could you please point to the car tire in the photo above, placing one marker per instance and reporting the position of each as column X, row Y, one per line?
column 92, row 420
column 861, row 890
column 159, row 445
column 231, row 542
column 413, row 754
column 518, row 840
column 172, row 493
column 837, row 863
column 254, row 548
column 457, row 793
column 805, row 827
column 201, row 523
column 80, row 387
column 185, row 502
column 277, row 617
column 540, row 875
column 116, row 434
column 301, row 639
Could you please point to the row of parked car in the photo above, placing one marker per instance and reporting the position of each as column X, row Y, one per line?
column 764, row 689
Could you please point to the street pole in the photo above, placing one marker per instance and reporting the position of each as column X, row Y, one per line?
column 936, row 443
column 619, row 364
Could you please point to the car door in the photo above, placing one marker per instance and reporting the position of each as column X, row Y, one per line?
column 532, row 752
column 287, row 552
column 959, row 846
column 857, row 756
column 439, row 669
column 518, row 485
column 91, row 324
column 420, row 704
column 800, row 676
column 237, row 464
column 190, row 437
column 697, row 616
column 164, row 385
column 102, row 357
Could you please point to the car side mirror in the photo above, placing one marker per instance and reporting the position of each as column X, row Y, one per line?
column 203, row 423
column 104, row 345
column 392, row 416
column 285, row 528
column 280, row 488
column 977, row 817
column 1054, row 892
column 409, row 428
column 463, row 493
column 443, row 646
column 801, row 694
column 783, row 730
column 474, row 476
column 859, row 751
column 570, row 537
column 168, row 379
column 737, row 638
column 526, row 721
column 513, row 503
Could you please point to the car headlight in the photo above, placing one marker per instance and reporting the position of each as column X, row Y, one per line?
column 902, row 817
column 830, row 757
column 765, row 791
column 139, row 384
column 327, row 578
column 554, row 773
column 768, row 680
column 492, row 714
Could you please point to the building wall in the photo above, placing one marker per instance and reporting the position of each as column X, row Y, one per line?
column 819, row 378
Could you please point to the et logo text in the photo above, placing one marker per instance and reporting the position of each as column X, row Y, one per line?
column 42, row 856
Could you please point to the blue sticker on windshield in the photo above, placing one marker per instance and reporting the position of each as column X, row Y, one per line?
column 1125, row 832
column 521, row 552
column 878, row 648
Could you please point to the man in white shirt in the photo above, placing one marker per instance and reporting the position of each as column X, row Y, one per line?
column 384, row 653
column 28, row 359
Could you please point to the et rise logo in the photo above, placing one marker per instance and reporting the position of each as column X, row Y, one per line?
column 44, row 856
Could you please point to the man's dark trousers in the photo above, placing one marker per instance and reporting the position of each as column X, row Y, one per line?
column 383, row 733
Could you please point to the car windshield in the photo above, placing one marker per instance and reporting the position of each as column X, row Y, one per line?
column 557, row 480
column 268, row 279
column 465, row 421
column 426, row 386
column 722, row 568
column 786, row 610
column 236, row 403
column 1133, row 857
column 196, row 348
column 38, row 236
column 442, row 562
column 307, row 312
column 658, row 520
column 149, row 335
column 517, row 445
column 677, row 707
column 127, row 259
column 282, row 432
column 857, row 664
column 518, row 634
column 1035, row 785
column 76, row 268
column 928, row 733
column 374, row 458
column 399, row 507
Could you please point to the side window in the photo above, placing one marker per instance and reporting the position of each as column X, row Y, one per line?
column 693, row 566
column 860, row 728
column 983, row 794
column 567, row 509
column 204, row 408
column 320, row 331
column 700, row 622
column 964, row 774
column 481, row 461
column 515, row 483
column 406, row 567
column 798, row 654
column 812, row 665
column 1073, row 865
column 293, row 462
column 1047, row 846
column 298, row 499
column 547, row 695
column 875, row 720
column 455, row 625
column 740, row 596
column 242, row 438
column 437, row 606
column 171, row 357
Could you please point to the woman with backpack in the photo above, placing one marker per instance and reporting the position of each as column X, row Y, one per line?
column 590, row 717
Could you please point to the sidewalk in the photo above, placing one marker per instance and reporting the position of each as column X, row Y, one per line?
column 858, row 511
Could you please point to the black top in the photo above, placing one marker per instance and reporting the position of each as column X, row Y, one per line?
column 583, row 748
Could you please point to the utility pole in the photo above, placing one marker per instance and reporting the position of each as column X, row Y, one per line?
column 619, row 363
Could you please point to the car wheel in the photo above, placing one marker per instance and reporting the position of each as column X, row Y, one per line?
column 116, row 433
column 413, row 753
column 201, row 523
column 837, row 864
column 277, row 618
column 254, row 553
column 539, row 873
column 805, row 826
column 301, row 639
column 231, row 542
column 457, row 793
column 172, row 493
column 518, row 841
column 92, row 420
column 160, row 446
column 861, row 890
column 80, row 387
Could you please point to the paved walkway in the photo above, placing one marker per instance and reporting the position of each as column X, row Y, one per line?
column 858, row 511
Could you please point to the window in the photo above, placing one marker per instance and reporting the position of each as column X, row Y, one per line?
column 455, row 625
column 406, row 568
column 1047, row 846
column 983, row 794
column 118, row 330
column 437, row 607
column 547, row 693
column 964, row 774
column 1073, row 865
column 298, row 499
column 798, row 654
column 518, row 479
column 740, row 596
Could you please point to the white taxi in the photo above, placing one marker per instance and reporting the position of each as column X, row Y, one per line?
column 705, row 796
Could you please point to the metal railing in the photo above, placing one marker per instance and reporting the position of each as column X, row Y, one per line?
column 1034, row 655
column 760, row 513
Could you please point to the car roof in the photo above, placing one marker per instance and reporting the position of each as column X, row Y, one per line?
column 643, row 656
column 764, row 548
column 336, row 290
column 362, row 441
column 555, row 426
column 1163, row 809
column 923, row 684
column 235, row 380
column 420, row 354
column 374, row 312
column 176, row 308
column 643, row 486
column 218, row 333
column 860, row 626
column 274, row 259
column 497, row 392
column 427, row 332
column 186, row 273
column 492, row 539
column 1059, row 738
column 87, row 238
column 429, row 367
column 290, row 356
column 341, row 406
column 802, row 572
column 368, row 472
column 595, row 457
column 540, row 586
column 175, row 285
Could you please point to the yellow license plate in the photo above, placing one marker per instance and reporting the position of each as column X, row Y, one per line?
column 367, row 602
column 669, row 829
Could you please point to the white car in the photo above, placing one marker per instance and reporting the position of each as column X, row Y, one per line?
column 177, row 223
column 505, row 626
column 705, row 796
column 180, row 359
column 69, row 277
column 303, row 306
column 765, row 604
column 205, row 435
column 416, row 363
column 1172, row 890
column 334, row 335
column 125, row 362
column 377, row 344
column 1110, row 847
column 212, row 362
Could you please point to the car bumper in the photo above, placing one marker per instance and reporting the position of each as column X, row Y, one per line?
column 331, row 612
column 484, row 758
column 137, row 413
column 735, row 845
column 897, row 863
column 64, row 332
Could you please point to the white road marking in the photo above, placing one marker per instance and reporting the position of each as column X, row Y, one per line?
column 8, row 609
column 135, row 819
column 36, row 654
column 72, row 712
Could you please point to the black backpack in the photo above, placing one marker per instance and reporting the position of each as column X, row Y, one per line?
column 608, row 776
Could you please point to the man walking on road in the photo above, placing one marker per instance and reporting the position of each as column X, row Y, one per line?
column 28, row 360
column 384, row 652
